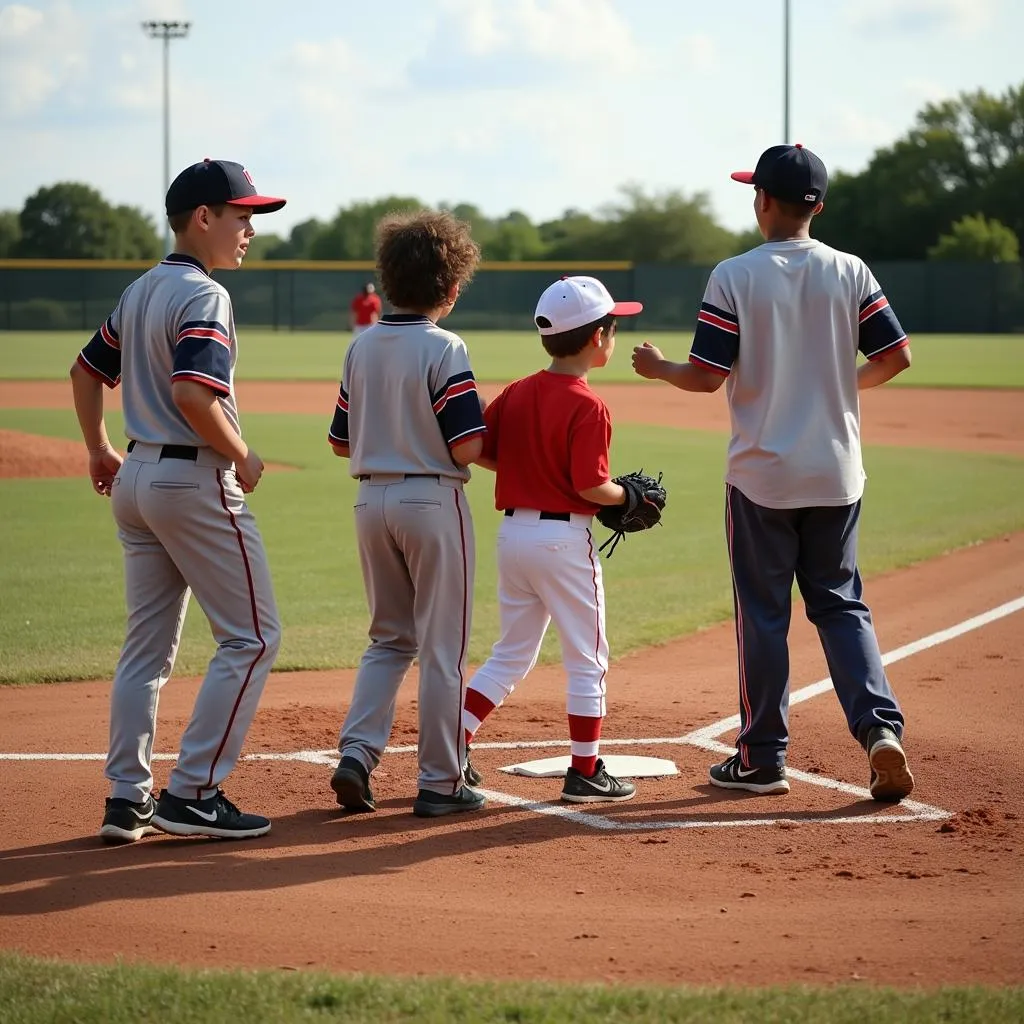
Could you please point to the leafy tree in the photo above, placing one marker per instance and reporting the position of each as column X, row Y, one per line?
column 744, row 241
column 973, row 239
column 260, row 244
column 10, row 233
column 298, row 244
column 350, row 236
column 70, row 220
column 962, row 156
column 514, row 238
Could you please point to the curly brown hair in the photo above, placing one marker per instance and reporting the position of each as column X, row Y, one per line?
column 421, row 255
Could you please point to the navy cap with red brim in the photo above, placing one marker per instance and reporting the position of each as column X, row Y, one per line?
column 259, row 204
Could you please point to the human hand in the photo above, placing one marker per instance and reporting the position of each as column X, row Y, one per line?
column 104, row 462
column 249, row 471
column 647, row 359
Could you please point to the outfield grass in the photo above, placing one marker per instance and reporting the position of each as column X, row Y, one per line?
column 62, row 606
column 940, row 360
column 48, row 992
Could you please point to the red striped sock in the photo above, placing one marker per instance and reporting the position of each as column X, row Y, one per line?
column 479, row 707
column 584, row 734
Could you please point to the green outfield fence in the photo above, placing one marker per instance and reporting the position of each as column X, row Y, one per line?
column 78, row 294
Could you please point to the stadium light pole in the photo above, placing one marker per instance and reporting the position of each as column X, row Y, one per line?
column 785, row 71
column 166, row 30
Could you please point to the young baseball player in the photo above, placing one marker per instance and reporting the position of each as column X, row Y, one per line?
column 408, row 418
column 783, row 324
column 179, row 502
column 364, row 309
column 547, row 441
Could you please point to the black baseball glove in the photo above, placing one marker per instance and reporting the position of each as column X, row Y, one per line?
column 645, row 499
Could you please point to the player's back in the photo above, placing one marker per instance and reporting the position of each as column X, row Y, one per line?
column 399, row 376
column 172, row 309
column 793, row 389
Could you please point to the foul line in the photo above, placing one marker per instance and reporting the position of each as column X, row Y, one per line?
column 706, row 738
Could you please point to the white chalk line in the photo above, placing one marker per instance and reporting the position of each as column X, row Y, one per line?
column 704, row 738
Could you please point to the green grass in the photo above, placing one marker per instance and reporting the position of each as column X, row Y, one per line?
column 940, row 360
column 47, row 992
column 62, row 607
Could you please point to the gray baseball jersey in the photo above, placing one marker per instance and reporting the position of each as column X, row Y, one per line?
column 784, row 323
column 185, row 528
column 407, row 396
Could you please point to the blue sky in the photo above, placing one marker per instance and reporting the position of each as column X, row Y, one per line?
column 536, row 105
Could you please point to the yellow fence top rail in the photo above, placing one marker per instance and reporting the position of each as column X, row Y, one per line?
column 361, row 265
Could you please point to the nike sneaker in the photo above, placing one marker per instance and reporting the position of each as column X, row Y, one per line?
column 216, row 816
column 731, row 774
column 429, row 804
column 125, row 821
column 598, row 788
column 891, row 780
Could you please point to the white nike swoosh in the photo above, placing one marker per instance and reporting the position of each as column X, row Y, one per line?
column 205, row 815
column 744, row 773
column 606, row 787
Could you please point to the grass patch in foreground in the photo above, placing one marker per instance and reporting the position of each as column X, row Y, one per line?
column 940, row 360
column 62, row 607
column 46, row 992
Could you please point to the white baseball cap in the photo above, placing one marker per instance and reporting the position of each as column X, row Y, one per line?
column 573, row 302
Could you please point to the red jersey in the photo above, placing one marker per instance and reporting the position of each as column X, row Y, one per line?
column 549, row 434
column 364, row 307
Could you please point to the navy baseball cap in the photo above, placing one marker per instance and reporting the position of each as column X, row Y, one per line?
column 790, row 173
column 213, row 182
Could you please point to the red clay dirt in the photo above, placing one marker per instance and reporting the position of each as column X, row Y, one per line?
column 513, row 893
column 982, row 420
column 34, row 456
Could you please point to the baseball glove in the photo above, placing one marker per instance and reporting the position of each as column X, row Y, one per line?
column 645, row 499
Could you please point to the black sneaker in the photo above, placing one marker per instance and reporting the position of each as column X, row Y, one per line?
column 731, row 774
column 891, row 780
column 351, row 785
column 597, row 788
column 429, row 804
column 126, row 822
column 471, row 775
column 215, row 816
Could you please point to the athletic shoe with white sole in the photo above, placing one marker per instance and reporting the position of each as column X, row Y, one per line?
column 731, row 774
column 216, row 816
column 891, row 780
column 598, row 788
column 429, row 804
column 351, row 785
column 125, row 821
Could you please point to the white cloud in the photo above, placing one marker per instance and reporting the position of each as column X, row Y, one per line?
column 523, row 43
column 924, row 16
column 700, row 52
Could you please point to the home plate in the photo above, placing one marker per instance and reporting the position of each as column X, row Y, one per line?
column 624, row 766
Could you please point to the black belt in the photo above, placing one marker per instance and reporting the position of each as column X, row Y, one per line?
column 186, row 452
column 561, row 517
column 366, row 476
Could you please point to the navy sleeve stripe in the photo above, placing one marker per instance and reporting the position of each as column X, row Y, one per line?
column 203, row 359
column 457, row 378
column 454, row 391
column 721, row 314
column 214, row 383
column 109, row 335
column 873, row 297
column 339, row 426
column 103, row 358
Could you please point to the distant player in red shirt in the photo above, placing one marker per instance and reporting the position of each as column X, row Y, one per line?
column 364, row 310
column 547, row 440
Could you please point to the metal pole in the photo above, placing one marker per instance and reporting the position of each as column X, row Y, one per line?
column 167, row 134
column 785, row 73
column 166, row 30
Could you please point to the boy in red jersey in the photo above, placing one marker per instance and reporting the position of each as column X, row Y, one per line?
column 547, row 440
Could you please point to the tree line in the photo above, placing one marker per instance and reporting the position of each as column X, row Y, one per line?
column 951, row 188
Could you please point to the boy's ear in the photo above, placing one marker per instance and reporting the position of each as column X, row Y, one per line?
column 596, row 339
column 453, row 293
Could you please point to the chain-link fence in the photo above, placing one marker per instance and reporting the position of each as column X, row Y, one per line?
column 928, row 297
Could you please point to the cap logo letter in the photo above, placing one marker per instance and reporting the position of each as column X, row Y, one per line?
column 809, row 198
column 248, row 177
